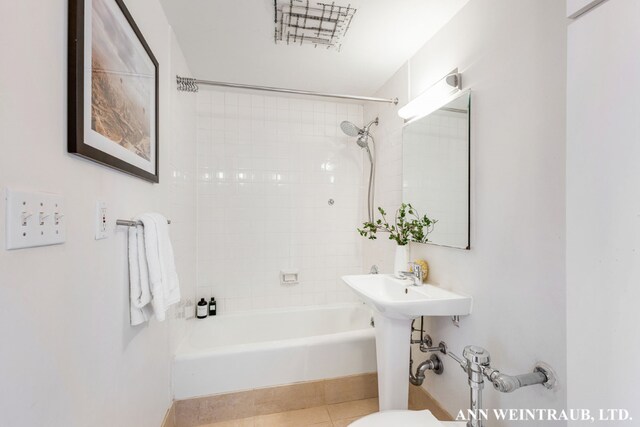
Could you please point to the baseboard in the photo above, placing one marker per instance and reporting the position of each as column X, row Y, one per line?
column 170, row 416
column 420, row 399
column 272, row 400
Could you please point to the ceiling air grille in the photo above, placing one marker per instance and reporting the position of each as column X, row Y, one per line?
column 299, row 22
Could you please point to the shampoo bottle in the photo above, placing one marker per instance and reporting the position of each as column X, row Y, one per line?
column 201, row 309
column 212, row 307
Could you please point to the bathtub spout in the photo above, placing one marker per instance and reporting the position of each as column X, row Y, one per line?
column 432, row 364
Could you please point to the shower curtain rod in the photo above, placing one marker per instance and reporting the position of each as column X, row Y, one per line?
column 186, row 84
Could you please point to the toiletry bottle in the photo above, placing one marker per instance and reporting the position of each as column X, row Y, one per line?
column 212, row 307
column 201, row 310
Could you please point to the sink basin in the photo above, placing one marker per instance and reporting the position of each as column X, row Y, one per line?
column 395, row 303
column 398, row 299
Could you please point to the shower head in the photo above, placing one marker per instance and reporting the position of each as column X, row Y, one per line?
column 363, row 134
column 363, row 140
column 350, row 129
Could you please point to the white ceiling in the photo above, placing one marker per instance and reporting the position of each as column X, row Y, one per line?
column 233, row 41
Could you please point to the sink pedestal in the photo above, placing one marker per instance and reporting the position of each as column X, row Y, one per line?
column 395, row 304
column 392, row 350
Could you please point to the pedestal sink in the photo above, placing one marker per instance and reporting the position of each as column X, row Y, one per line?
column 396, row 303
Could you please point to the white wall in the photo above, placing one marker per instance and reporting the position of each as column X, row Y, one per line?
column 69, row 357
column 512, row 56
column 603, row 208
column 267, row 167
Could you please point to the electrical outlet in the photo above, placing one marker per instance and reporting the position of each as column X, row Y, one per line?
column 101, row 220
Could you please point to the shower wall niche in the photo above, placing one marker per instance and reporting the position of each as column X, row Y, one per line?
column 267, row 168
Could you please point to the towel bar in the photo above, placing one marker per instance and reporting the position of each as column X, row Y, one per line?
column 129, row 223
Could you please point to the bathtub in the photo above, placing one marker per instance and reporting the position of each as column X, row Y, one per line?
column 242, row 351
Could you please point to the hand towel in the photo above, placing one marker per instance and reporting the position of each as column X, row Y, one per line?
column 139, row 292
column 163, row 279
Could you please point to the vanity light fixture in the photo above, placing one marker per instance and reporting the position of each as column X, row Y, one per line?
column 433, row 98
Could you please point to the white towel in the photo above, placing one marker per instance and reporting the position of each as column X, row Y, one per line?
column 139, row 291
column 155, row 269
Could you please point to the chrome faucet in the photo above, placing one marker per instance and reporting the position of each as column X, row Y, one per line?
column 415, row 274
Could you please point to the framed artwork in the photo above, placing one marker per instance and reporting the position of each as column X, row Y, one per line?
column 113, row 89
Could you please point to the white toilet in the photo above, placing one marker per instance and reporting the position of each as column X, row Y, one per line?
column 405, row 419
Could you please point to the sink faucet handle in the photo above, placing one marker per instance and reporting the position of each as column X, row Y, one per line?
column 417, row 270
column 415, row 274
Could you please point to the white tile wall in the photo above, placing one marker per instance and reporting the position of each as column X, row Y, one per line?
column 267, row 167
column 388, row 195
column 182, row 195
column 183, row 200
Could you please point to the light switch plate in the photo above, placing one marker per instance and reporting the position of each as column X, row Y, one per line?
column 34, row 219
column 101, row 221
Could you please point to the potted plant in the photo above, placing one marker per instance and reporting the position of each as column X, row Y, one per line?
column 409, row 226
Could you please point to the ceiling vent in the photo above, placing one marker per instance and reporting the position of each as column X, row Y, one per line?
column 299, row 22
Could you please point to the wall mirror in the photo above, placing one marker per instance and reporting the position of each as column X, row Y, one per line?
column 435, row 170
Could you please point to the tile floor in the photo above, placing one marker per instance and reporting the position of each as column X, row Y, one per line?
column 335, row 415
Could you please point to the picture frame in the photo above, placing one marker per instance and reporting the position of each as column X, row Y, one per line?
column 113, row 89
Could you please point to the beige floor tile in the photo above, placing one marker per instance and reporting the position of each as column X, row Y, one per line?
column 245, row 422
column 299, row 418
column 345, row 423
column 357, row 408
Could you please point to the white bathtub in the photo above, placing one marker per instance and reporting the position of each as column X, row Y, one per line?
column 242, row 351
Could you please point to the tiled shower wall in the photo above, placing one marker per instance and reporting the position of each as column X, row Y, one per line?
column 268, row 167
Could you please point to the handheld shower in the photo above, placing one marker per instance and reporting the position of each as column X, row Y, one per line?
column 362, row 140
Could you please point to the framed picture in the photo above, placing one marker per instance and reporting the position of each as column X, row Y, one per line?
column 113, row 89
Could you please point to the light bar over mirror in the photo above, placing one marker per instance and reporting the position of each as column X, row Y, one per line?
column 439, row 94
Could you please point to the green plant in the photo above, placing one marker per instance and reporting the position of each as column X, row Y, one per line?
column 408, row 226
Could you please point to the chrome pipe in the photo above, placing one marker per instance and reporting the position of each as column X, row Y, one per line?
column 432, row 364
column 476, row 362
column 477, row 359
column 191, row 85
column 509, row 383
